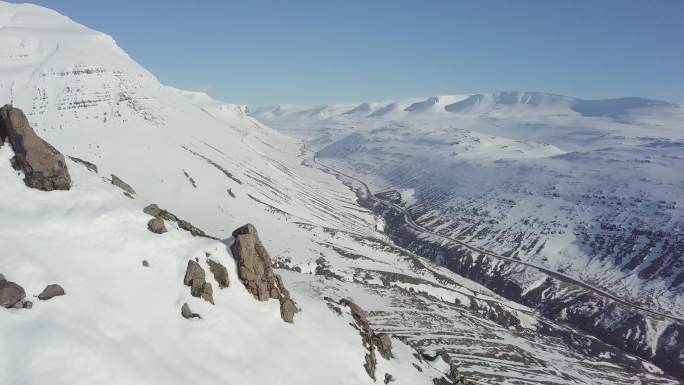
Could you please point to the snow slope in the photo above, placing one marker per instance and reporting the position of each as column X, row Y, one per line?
column 120, row 323
column 210, row 163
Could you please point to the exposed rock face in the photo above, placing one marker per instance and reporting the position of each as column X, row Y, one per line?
column 156, row 225
column 43, row 166
column 11, row 294
column 220, row 273
column 50, row 292
column 196, row 279
column 118, row 182
column 256, row 272
column 254, row 264
column 371, row 340
column 187, row 313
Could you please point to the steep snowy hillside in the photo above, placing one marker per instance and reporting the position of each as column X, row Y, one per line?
column 590, row 190
column 211, row 164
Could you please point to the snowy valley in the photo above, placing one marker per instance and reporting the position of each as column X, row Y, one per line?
column 375, row 301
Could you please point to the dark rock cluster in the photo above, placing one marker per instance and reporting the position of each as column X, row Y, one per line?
column 43, row 166
column 256, row 272
column 12, row 295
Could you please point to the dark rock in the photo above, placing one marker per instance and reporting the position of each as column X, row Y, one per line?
column 27, row 305
column 254, row 264
column 90, row 166
column 116, row 181
column 2, row 278
column 187, row 226
column 388, row 378
column 207, row 293
column 10, row 294
column 187, row 313
column 255, row 270
column 156, row 225
column 288, row 308
column 159, row 213
column 51, row 291
column 43, row 166
column 220, row 273
column 196, row 279
column 145, row 263
column 156, row 212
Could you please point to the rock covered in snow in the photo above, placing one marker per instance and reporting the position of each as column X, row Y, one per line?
column 43, row 165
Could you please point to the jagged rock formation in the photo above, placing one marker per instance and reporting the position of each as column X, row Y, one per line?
column 159, row 213
column 11, row 293
column 371, row 340
column 219, row 272
column 187, row 313
column 50, row 292
column 43, row 166
column 256, row 272
column 196, row 279
column 156, row 225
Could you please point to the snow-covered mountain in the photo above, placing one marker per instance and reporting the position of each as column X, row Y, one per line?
column 213, row 165
column 588, row 189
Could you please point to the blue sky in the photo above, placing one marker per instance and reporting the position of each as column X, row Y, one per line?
column 267, row 52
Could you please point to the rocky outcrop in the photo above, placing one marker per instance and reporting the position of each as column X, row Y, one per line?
column 371, row 340
column 256, row 272
column 220, row 273
column 11, row 294
column 159, row 213
column 156, row 225
column 43, row 166
column 118, row 182
column 196, row 279
column 50, row 292
column 187, row 313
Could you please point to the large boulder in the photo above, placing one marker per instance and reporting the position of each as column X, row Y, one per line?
column 254, row 264
column 43, row 166
column 256, row 271
column 50, row 292
column 11, row 294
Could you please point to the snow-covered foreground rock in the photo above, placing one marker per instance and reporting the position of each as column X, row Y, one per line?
column 214, row 166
